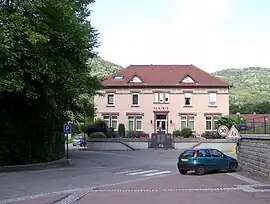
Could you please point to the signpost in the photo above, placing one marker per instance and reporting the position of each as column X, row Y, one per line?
column 234, row 132
column 67, row 131
column 223, row 130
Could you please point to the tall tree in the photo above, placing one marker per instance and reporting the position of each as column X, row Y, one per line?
column 44, row 48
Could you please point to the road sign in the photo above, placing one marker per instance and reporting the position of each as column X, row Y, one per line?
column 67, row 129
column 233, row 132
column 223, row 130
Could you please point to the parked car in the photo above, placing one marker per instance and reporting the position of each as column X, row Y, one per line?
column 79, row 140
column 205, row 160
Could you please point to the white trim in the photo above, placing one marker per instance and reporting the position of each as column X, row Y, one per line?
column 135, row 94
column 209, row 120
column 110, row 119
column 160, row 97
column 141, row 120
column 156, row 97
column 212, row 99
column 188, row 95
column 110, row 94
column 183, row 120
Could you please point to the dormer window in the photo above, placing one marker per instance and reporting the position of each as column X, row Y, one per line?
column 118, row 77
column 136, row 79
column 187, row 79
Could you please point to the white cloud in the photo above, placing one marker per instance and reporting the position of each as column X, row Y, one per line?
column 192, row 35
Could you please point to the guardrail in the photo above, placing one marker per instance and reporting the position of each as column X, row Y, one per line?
column 256, row 125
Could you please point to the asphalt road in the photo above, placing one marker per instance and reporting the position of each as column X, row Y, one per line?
column 114, row 173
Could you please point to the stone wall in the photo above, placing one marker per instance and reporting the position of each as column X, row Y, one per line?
column 254, row 154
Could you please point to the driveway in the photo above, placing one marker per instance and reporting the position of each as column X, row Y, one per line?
column 105, row 177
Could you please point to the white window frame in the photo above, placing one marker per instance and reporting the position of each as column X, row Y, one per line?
column 134, row 120
column 188, row 95
column 135, row 94
column 110, row 119
column 208, row 120
column 160, row 97
column 110, row 94
column 214, row 97
column 187, row 121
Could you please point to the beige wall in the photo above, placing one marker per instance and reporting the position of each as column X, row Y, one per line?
column 200, row 100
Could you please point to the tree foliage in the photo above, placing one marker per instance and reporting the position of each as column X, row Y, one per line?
column 44, row 49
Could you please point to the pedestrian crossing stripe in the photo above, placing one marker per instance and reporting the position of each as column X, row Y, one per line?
column 144, row 173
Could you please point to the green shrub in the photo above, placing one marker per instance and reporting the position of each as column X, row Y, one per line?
column 111, row 133
column 99, row 122
column 136, row 134
column 97, row 135
column 186, row 132
column 176, row 133
column 121, row 130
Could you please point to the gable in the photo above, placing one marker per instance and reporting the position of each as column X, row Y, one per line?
column 187, row 79
column 135, row 79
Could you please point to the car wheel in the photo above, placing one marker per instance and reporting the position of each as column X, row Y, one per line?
column 233, row 167
column 73, row 145
column 200, row 170
column 183, row 172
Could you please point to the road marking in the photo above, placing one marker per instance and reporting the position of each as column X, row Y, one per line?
column 73, row 197
column 128, row 171
column 142, row 172
column 163, row 190
column 23, row 198
column 158, row 173
column 243, row 178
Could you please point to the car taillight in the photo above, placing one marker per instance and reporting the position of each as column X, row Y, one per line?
column 195, row 155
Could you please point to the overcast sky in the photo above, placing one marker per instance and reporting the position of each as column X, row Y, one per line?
column 211, row 34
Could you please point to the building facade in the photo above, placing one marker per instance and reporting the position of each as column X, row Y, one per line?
column 153, row 98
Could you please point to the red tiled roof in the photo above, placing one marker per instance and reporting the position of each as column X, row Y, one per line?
column 163, row 75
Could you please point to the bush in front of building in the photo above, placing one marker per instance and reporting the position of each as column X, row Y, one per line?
column 111, row 133
column 176, row 133
column 121, row 130
column 186, row 132
column 212, row 135
column 97, row 135
column 137, row 134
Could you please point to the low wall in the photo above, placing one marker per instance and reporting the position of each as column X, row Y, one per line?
column 104, row 144
column 224, row 145
column 254, row 154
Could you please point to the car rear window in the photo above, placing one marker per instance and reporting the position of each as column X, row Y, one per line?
column 188, row 153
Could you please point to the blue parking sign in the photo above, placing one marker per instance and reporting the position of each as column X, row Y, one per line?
column 67, row 129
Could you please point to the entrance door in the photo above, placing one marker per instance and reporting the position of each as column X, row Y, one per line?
column 161, row 123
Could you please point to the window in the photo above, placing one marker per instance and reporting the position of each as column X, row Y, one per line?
column 135, row 123
column 215, row 123
column 188, row 153
column 111, row 121
column 216, row 153
column 212, row 99
column 110, row 98
column 208, row 123
column 204, row 153
column 188, row 99
column 160, row 97
column 135, row 99
column 188, row 122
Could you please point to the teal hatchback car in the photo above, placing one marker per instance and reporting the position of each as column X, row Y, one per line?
column 205, row 160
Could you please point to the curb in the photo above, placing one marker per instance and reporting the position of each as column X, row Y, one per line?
column 38, row 166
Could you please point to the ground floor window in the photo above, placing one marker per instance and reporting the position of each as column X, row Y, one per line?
column 135, row 123
column 211, row 123
column 111, row 121
column 188, row 121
